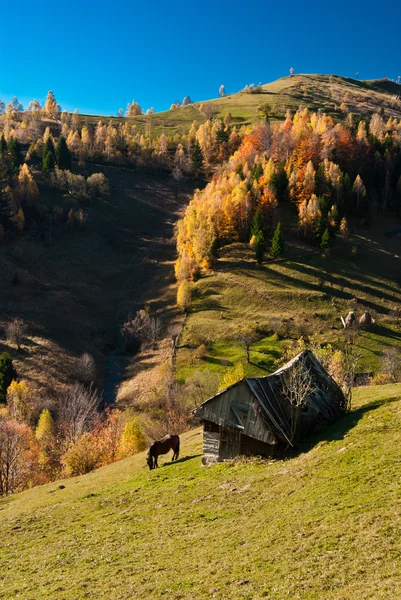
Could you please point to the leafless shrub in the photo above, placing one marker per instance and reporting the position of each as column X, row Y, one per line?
column 143, row 330
column 246, row 337
column 351, row 360
column 16, row 332
column 351, row 333
column 297, row 387
column 77, row 410
column 86, row 369
column 98, row 185
column 200, row 386
column 391, row 363
column 396, row 315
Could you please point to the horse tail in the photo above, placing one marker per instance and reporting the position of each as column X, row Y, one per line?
column 177, row 448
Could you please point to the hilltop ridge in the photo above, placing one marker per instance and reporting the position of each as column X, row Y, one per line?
column 317, row 92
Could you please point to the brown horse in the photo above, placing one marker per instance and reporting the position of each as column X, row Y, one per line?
column 169, row 442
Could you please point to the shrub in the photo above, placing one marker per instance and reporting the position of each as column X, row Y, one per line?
column 82, row 457
column 381, row 379
column 16, row 331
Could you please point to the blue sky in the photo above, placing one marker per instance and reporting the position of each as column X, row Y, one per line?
column 97, row 56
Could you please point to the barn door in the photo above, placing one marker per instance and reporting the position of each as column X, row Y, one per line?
column 230, row 444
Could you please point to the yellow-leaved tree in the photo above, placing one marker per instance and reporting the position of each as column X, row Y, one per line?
column 19, row 400
column 184, row 296
column 132, row 440
column 231, row 376
column 45, row 434
column 26, row 189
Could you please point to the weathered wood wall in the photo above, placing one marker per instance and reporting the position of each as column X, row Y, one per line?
column 237, row 409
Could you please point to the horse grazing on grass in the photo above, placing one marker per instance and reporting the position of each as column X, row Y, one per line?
column 169, row 442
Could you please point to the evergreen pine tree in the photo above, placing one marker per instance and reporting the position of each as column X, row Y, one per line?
column 321, row 225
column 49, row 156
column 280, row 182
column 259, row 247
column 3, row 146
column 222, row 134
column 277, row 247
column 325, row 243
column 7, row 374
column 335, row 216
column 48, row 162
column 197, row 156
column 63, row 155
column 257, row 223
column 14, row 155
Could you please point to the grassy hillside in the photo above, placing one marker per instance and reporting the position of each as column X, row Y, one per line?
column 303, row 294
column 324, row 524
column 322, row 92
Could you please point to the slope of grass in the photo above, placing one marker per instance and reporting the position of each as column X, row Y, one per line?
column 302, row 295
column 324, row 524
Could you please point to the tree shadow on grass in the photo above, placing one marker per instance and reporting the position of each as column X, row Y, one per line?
column 339, row 429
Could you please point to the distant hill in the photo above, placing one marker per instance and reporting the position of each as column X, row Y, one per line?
column 317, row 92
column 323, row 524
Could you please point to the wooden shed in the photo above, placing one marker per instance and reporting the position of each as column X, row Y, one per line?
column 259, row 416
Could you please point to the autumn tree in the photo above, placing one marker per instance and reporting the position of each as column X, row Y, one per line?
column 14, row 107
column 20, row 401
column 133, row 109
column 133, row 439
column 17, row 456
column 232, row 376
column 51, row 108
column 184, row 296
column 45, row 434
column 26, row 189
column 82, row 456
